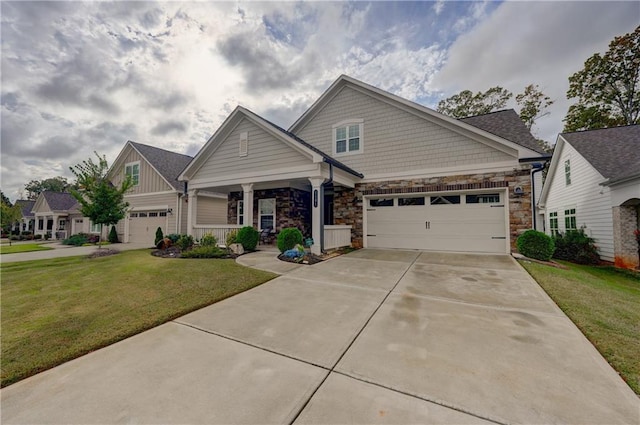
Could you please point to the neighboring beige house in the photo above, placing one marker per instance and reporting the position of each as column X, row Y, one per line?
column 594, row 183
column 157, row 198
column 57, row 215
column 365, row 167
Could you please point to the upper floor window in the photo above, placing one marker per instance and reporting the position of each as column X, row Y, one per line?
column 132, row 170
column 567, row 172
column 347, row 137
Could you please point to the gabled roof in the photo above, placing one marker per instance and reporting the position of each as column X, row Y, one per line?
column 460, row 126
column 614, row 152
column 26, row 206
column 168, row 164
column 506, row 124
column 59, row 201
column 286, row 136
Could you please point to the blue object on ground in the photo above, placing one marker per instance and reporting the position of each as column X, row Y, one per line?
column 292, row 253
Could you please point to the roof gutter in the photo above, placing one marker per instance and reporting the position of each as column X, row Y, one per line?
column 544, row 157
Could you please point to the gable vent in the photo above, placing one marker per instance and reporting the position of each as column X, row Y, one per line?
column 244, row 144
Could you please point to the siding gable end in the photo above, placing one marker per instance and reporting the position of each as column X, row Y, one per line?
column 150, row 180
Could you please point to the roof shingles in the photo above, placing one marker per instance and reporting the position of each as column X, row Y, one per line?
column 169, row 164
column 614, row 152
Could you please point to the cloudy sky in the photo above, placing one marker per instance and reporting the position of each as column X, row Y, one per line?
column 79, row 77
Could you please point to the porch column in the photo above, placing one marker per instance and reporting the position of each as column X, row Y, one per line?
column 247, row 202
column 192, row 210
column 316, row 208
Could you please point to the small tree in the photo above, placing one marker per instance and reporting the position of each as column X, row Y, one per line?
column 159, row 236
column 99, row 199
column 9, row 215
column 113, row 235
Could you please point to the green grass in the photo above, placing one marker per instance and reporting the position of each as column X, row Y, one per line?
column 604, row 302
column 27, row 247
column 56, row 310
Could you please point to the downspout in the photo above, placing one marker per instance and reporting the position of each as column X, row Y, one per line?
column 536, row 167
column 330, row 181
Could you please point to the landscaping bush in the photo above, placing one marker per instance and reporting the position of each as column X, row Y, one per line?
column 185, row 242
column 534, row 244
column 38, row 237
column 208, row 240
column 113, row 235
column 206, row 251
column 93, row 238
column 173, row 237
column 232, row 237
column 288, row 238
column 159, row 236
column 248, row 237
column 76, row 240
column 577, row 247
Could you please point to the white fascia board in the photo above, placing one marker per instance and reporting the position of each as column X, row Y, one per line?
column 149, row 208
column 301, row 171
column 216, row 195
column 557, row 152
column 340, row 176
column 492, row 167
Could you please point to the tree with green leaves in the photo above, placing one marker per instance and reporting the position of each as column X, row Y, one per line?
column 4, row 198
column 532, row 103
column 99, row 199
column 9, row 215
column 607, row 88
column 466, row 104
column 54, row 184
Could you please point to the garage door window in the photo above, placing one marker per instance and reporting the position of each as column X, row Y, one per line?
column 142, row 214
column 381, row 202
column 445, row 200
column 484, row 198
column 403, row 202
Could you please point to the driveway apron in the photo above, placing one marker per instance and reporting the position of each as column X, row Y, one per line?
column 376, row 336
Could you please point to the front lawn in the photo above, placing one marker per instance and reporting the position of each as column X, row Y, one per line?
column 59, row 309
column 604, row 303
column 25, row 247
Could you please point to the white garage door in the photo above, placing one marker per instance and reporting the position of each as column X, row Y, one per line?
column 467, row 222
column 143, row 226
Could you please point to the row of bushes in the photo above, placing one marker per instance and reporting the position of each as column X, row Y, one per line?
column 574, row 245
column 25, row 236
column 80, row 239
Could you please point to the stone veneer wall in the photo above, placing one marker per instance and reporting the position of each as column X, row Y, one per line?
column 625, row 247
column 293, row 208
column 348, row 202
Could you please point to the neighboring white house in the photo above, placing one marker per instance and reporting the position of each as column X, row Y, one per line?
column 594, row 183
column 365, row 167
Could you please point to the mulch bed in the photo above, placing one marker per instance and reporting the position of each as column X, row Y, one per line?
column 175, row 252
column 104, row 252
column 305, row 259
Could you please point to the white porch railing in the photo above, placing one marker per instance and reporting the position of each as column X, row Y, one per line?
column 220, row 231
column 336, row 236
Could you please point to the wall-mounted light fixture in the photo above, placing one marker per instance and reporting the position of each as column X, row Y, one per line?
column 518, row 191
column 169, row 211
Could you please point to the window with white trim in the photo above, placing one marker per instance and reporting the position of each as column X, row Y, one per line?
column 94, row 227
column 132, row 169
column 347, row 137
column 553, row 223
column 570, row 219
column 240, row 220
column 266, row 213
column 567, row 172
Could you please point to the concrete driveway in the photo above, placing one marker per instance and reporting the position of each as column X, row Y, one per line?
column 370, row 337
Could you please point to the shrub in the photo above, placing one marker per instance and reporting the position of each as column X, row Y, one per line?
column 185, row 242
column 232, row 237
column 14, row 237
column 206, row 251
column 27, row 233
column 113, row 235
column 536, row 245
column 159, row 236
column 38, row 237
column 208, row 240
column 248, row 237
column 76, row 240
column 288, row 238
column 173, row 237
column 93, row 238
column 577, row 247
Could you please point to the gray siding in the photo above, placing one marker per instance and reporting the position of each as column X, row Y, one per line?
column 265, row 152
column 211, row 211
column 591, row 201
column 150, row 181
column 394, row 140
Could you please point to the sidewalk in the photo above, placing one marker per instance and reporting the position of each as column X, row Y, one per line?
column 60, row 251
column 267, row 259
